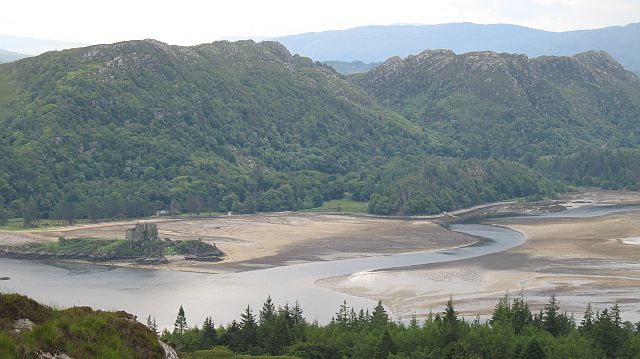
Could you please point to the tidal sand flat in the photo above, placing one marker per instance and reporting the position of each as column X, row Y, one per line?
column 581, row 260
column 259, row 241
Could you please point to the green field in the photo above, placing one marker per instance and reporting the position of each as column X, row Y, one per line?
column 343, row 205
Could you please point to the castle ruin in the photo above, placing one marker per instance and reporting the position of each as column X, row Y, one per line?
column 142, row 232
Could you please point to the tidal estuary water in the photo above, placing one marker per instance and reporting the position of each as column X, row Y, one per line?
column 159, row 293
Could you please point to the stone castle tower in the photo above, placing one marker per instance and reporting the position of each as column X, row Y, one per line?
column 142, row 232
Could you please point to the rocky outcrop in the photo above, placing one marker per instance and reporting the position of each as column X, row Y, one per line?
column 201, row 251
column 154, row 259
column 169, row 352
column 22, row 325
column 52, row 356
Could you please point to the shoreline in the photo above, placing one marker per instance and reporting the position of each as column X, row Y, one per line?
column 580, row 259
column 261, row 241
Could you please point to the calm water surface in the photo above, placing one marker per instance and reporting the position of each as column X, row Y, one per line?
column 160, row 292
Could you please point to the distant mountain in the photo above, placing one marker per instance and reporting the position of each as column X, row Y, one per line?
column 487, row 104
column 377, row 43
column 8, row 56
column 31, row 46
column 353, row 67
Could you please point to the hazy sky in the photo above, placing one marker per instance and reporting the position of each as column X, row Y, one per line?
column 197, row 21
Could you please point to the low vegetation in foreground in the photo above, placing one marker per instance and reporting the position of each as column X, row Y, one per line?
column 29, row 330
column 513, row 331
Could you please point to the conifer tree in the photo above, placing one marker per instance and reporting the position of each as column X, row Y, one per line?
column 208, row 335
column 384, row 346
column 299, row 323
column 231, row 336
column 502, row 311
column 520, row 314
column 152, row 325
column 450, row 323
column 533, row 350
column 248, row 329
column 379, row 317
column 363, row 317
column 586, row 325
column 551, row 317
column 266, row 320
column 180, row 324
column 267, row 312
column 413, row 323
column 342, row 316
column 297, row 314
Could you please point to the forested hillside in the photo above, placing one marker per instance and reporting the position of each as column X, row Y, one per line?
column 131, row 127
column 127, row 129
column 485, row 104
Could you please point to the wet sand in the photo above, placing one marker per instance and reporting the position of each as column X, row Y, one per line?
column 259, row 241
column 580, row 260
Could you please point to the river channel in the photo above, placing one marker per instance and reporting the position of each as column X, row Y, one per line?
column 159, row 293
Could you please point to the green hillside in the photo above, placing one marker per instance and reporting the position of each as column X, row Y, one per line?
column 127, row 129
column 484, row 104
column 133, row 126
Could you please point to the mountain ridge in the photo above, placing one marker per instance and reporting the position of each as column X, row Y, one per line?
column 33, row 46
column 8, row 56
column 378, row 42
column 439, row 89
column 126, row 129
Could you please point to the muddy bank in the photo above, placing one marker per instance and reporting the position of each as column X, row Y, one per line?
column 259, row 241
column 580, row 260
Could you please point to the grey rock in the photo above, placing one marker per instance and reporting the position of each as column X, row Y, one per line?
column 23, row 324
column 155, row 258
column 169, row 352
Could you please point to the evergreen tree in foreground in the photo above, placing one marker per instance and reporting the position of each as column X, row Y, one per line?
column 379, row 317
column 152, row 325
column 180, row 326
column 353, row 334
column 208, row 334
column 533, row 350
column 248, row 330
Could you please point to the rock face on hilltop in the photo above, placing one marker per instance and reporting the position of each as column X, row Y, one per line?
column 510, row 105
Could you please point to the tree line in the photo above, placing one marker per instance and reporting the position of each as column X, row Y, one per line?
column 512, row 331
column 420, row 184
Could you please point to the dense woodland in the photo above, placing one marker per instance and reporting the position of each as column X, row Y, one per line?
column 130, row 129
column 513, row 331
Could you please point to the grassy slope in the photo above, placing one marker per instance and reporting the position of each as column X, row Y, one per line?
column 79, row 332
column 343, row 205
